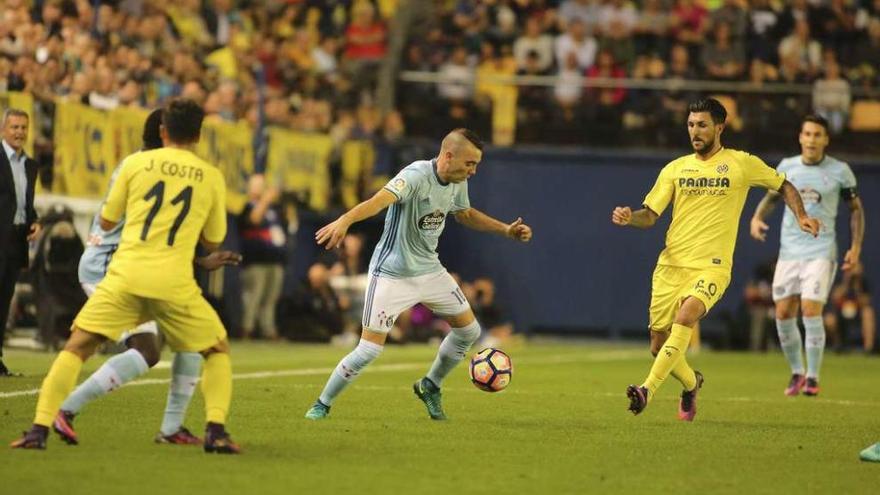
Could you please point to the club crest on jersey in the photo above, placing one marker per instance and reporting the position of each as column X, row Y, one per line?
column 722, row 169
column 398, row 184
column 432, row 221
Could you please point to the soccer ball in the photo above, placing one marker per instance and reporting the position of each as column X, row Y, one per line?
column 491, row 370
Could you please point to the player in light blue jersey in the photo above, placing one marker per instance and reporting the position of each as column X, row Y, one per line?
column 405, row 269
column 143, row 346
column 807, row 265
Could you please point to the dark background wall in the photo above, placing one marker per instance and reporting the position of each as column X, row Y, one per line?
column 581, row 274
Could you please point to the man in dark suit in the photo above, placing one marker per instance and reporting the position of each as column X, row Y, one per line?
column 18, row 219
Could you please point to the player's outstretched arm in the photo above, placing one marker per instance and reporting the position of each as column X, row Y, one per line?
column 857, row 228
column 332, row 234
column 793, row 199
column 217, row 259
column 759, row 228
column 475, row 219
column 624, row 216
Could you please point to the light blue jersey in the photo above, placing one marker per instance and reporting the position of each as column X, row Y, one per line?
column 820, row 186
column 413, row 224
column 100, row 246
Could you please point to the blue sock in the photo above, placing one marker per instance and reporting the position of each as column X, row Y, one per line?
column 452, row 351
column 348, row 369
column 790, row 341
column 185, row 370
column 115, row 372
column 814, row 331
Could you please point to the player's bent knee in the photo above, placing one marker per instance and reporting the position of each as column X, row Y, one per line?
column 145, row 344
column 690, row 313
column 461, row 320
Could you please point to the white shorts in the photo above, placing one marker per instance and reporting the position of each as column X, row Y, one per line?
column 387, row 297
column 146, row 327
column 810, row 279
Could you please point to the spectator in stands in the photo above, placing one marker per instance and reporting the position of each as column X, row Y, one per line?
column 534, row 41
column 585, row 12
column 642, row 104
column 832, row 97
column 263, row 241
column 457, row 76
column 762, row 31
column 839, row 29
column 732, row 14
column 569, row 86
column 689, row 23
column 606, row 103
column 723, row 58
column 532, row 99
column 866, row 72
column 673, row 103
column 851, row 303
column 496, row 63
column 576, row 40
column 652, row 29
column 315, row 312
column 799, row 46
column 618, row 20
column 365, row 44
column 218, row 17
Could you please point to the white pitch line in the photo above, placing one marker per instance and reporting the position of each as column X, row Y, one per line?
column 558, row 359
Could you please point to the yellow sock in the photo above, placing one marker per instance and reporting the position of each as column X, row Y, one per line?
column 671, row 352
column 217, row 386
column 57, row 386
column 684, row 373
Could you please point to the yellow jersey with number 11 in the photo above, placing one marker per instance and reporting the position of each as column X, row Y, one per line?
column 170, row 198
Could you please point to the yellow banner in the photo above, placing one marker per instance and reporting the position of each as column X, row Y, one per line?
column 301, row 164
column 358, row 157
column 22, row 101
column 229, row 147
column 128, row 131
column 85, row 154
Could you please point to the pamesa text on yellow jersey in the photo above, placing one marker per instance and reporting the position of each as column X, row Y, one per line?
column 707, row 201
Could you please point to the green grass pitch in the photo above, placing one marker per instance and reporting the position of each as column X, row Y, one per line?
column 561, row 427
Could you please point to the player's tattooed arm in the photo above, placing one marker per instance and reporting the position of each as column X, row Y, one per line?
column 857, row 228
column 642, row 219
column 477, row 220
column 759, row 228
column 332, row 234
column 793, row 199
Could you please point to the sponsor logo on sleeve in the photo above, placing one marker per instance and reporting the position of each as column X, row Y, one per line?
column 398, row 184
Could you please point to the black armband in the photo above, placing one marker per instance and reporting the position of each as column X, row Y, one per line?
column 849, row 193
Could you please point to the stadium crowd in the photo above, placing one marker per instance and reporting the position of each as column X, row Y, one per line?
column 833, row 45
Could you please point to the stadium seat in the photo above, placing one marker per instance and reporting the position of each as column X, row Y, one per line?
column 865, row 116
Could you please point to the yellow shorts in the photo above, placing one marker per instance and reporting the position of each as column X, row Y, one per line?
column 190, row 326
column 671, row 285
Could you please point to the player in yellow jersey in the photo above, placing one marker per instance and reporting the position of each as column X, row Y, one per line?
column 707, row 190
column 172, row 201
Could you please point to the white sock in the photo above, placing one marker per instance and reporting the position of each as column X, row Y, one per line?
column 116, row 371
column 348, row 369
column 452, row 351
column 185, row 371
column 814, row 331
column 790, row 341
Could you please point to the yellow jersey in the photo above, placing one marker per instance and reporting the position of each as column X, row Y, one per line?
column 170, row 198
column 708, row 198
